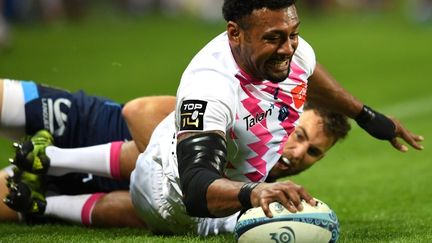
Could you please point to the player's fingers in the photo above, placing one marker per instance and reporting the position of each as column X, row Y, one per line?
column 265, row 205
column 307, row 197
column 397, row 145
column 295, row 199
column 407, row 136
column 415, row 145
column 417, row 138
column 411, row 139
column 284, row 198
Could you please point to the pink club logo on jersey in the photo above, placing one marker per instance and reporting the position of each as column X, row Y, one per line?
column 299, row 92
column 299, row 95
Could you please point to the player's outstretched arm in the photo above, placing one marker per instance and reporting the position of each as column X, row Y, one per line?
column 325, row 90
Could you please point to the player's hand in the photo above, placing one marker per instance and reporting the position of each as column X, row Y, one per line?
column 287, row 193
column 409, row 137
column 387, row 128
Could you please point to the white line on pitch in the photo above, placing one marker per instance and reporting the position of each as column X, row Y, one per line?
column 409, row 108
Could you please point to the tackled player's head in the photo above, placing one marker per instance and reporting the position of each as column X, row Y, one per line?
column 263, row 36
column 318, row 130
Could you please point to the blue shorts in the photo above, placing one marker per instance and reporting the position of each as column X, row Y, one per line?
column 75, row 120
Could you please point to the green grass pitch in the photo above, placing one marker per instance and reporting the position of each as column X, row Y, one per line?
column 379, row 194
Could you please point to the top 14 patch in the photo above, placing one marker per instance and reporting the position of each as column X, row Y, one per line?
column 192, row 115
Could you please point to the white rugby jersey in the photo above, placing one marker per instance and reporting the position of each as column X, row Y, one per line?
column 257, row 117
column 214, row 94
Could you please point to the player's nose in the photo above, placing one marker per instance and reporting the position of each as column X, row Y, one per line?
column 287, row 48
column 299, row 151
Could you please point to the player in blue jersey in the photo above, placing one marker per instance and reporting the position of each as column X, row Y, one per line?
column 74, row 120
column 69, row 117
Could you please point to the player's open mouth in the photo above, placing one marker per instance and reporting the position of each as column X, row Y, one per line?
column 279, row 65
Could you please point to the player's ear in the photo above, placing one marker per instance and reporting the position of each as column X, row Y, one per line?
column 233, row 31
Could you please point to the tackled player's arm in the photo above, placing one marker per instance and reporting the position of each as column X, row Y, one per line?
column 143, row 114
column 206, row 193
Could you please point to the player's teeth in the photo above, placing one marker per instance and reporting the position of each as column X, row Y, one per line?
column 286, row 161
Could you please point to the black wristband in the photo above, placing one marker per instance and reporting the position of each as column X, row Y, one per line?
column 245, row 193
column 376, row 124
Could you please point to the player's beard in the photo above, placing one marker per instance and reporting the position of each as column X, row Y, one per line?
column 277, row 78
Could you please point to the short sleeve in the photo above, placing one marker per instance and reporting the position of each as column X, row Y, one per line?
column 205, row 102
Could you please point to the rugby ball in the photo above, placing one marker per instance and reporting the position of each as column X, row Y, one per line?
column 314, row 224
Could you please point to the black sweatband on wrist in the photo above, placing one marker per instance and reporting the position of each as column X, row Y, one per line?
column 376, row 124
column 201, row 159
column 245, row 194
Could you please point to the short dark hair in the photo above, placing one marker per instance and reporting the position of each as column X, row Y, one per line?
column 335, row 124
column 235, row 10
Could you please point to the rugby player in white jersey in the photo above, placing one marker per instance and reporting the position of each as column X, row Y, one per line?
column 238, row 101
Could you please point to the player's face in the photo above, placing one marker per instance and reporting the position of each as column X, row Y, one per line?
column 266, row 47
column 305, row 146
